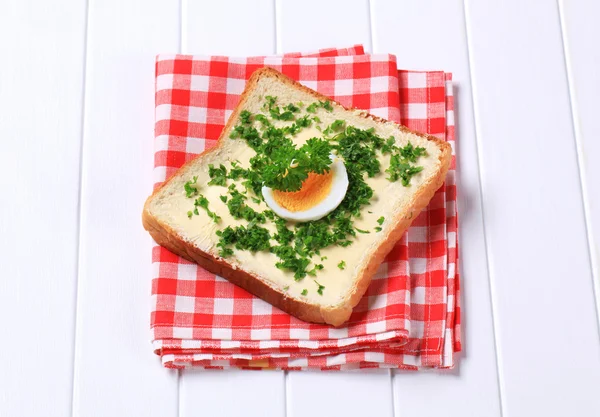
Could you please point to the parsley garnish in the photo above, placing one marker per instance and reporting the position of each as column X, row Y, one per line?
column 290, row 261
column 190, row 214
column 336, row 126
column 239, row 210
column 190, row 189
column 246, row 117
column 389, row 145
column 278, row 174
column 284, row 235
column 400, row 169
column 218, row 175
column 202, row 201
column 249, row 133
column 275, row 111
column 410, row 153
column 312, row 108
column 253, row 238
column 313, row 272
column 400, row 163
column 326, row 105
column 321, row 287
column 282, row 165
column 304, row 292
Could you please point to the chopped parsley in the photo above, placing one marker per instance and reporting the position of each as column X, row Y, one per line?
column 321, row 287
column 202, row 202
column 400, row 169
column 246, row 117
column 240, row 210
column 284, row 235
column 280, row 174
column 282, row 165
column 276, row 112
column 400, row 163
column 326, row 104
column 336, row 126
column 252, row 238
column 313, row 272
column 190, row 187
column 290, row 261
column 218, row 175
column 304, row 292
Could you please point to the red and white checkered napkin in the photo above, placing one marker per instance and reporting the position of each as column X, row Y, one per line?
column 408, row 317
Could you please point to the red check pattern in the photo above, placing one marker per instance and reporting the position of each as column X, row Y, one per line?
column 409, row 316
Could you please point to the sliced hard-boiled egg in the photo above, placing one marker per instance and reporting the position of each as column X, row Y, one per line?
column 320, row 195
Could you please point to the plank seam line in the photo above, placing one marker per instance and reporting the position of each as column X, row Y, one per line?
column 580, row 164
column 371, row 34
column 179, row 378
column 277, row 38
column 287, row 394
column 482, row 206
column 183, row 42
column 84, row 82
column 393, row 383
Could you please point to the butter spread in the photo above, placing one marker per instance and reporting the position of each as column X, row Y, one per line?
column 173, row 205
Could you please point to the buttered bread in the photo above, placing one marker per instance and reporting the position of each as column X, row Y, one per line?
column 300, row 200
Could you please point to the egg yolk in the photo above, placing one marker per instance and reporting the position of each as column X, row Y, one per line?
column 314, row 190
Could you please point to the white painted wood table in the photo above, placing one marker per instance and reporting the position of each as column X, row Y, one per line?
column 76, row 125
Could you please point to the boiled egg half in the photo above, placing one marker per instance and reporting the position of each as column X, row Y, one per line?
column 320, row 195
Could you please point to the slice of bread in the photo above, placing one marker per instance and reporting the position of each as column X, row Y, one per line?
column 330, row 296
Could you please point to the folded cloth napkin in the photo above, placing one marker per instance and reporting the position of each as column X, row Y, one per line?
column 409, row 316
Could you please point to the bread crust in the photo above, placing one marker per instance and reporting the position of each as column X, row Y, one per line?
column 165, row 236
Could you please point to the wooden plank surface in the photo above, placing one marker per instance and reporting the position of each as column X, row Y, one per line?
column 338, row 23
column 224, row 28
column 41, row 87
column 443, row 46
column 527, row 88
column 116, row 373
column 580, row 29
column 234, row 28
column 232, row 393
column 547, row 334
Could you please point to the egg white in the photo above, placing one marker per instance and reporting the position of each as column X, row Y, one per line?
column 339, row 186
